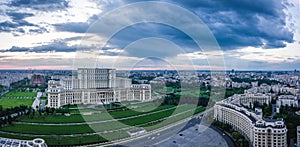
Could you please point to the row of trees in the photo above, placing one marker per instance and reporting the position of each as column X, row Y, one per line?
column 260, row 81
column 202, row 100
column 24, row 85
column 175, row 99
column 8, row 115
column 292, row 120
column 239, row 139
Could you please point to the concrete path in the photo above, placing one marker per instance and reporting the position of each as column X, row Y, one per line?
column 36, row 102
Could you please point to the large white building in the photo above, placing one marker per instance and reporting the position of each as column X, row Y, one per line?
column 289, row 90
column 289, row 100
column 259, row 131
column 263, row 88
column 95, row 86
column 248, row 99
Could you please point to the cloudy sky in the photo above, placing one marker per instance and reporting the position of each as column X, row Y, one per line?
column 57, row 34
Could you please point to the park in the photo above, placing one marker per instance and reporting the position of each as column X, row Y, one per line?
column 90, row 124
column 87, row 124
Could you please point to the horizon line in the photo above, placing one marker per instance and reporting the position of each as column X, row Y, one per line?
column 159, row 69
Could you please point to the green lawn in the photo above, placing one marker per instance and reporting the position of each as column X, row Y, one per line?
column 20, row 94
column 76, row 129
column 77, row 117
column 43, row 98
column 13, row 102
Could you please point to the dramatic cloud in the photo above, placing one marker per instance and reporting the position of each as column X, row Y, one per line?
column 58, row 46
column 42, row 5
column 17, row 20
column 72, row 27
column 242, row 23
column 235, row 23
column 239, row 26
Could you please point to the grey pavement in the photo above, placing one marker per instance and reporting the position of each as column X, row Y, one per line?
column 193, row 137
column 186, row 134
column 36, row 102
column 273, row 110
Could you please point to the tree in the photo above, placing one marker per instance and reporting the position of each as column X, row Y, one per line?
column 235, row 135
column 47, row 110
column 256, row 104
column 69, row 108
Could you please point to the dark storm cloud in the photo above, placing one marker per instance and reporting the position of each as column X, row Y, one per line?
column 241, row 23
column 72, row 27
column 18, row 18
column 43, row 5
column 234, row 23
column 17, row 21
column 18, row 49
column 77, row 27
column 152, row 30
column 61, row 46
column 58, row 46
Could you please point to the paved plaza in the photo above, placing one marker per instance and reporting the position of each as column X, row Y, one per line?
column 195, row 136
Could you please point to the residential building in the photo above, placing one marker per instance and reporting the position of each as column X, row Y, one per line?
column 289, row 100
column 259, row 131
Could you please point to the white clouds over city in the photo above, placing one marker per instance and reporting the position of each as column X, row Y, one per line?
column 46, row 34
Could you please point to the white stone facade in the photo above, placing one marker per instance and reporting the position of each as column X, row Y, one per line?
column 251, row 98
column 289, row 100
column 95, row 86
column 260, row 132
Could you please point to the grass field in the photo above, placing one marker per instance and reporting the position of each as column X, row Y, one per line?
column 56, row 131
column 13, row 102
column 98, row 127
column 88, row 139
column 20, row 94
column 93, row 117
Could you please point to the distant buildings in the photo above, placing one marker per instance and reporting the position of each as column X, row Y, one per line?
column 263, row 88
column 95, row 86
column 37, row 80
column 7, row 78
column 250, row 98
column 289, row 90
column 287, row 100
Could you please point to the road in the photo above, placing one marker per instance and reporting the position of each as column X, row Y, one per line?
column 36, row 102
column 186, row 134
column 273, row 110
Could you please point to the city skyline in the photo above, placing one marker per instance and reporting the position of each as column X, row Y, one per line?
column 252, row 36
